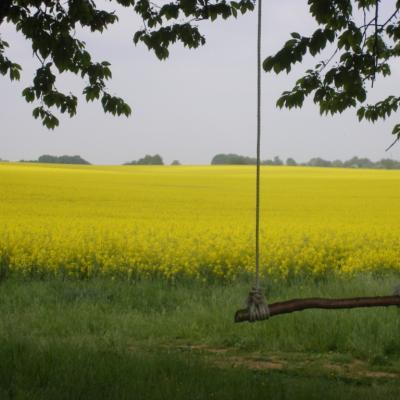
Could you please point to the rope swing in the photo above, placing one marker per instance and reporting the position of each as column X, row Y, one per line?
column 257, row 308
column 256, row 303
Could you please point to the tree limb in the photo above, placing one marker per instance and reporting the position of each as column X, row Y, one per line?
column 293, row 305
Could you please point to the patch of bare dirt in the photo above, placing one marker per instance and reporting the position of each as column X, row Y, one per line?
column 325, row 364
column 228, row 357
column 359, row 369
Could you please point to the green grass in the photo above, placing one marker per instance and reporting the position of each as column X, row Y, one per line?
column 103, row 339
column 56, row 370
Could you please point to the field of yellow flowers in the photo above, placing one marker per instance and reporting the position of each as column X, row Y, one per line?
column 195, row 221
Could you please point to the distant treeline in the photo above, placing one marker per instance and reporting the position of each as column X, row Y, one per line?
column 48, row 159
column 355, row 162
column 146, row 160
column 236, row 159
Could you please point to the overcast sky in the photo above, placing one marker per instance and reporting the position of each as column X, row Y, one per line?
column 194, row 105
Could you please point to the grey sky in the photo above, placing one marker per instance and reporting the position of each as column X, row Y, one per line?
column 195, row 104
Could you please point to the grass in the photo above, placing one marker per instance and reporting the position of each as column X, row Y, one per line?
column 103, row 339
column 60, row 371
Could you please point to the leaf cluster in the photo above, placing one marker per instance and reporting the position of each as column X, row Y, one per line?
column 360, row 54
column 50, row 26
column 176, row 21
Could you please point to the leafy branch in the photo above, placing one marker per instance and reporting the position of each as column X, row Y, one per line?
column 363, row 53
column 50, row 26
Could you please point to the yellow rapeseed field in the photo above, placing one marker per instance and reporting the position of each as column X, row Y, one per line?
column 134, row 221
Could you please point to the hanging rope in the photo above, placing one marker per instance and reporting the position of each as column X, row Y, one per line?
column 256, row 303
column 257, row 280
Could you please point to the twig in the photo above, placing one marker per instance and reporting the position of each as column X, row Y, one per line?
column 397, row 139
column 390, row 18
column 326, row 63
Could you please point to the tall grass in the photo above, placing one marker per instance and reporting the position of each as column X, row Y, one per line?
column 103, row 339
column 156, row 311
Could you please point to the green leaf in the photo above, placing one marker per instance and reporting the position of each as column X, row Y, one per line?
column 361, row 113
column 212, row 13
column 396, row 130
column 36, row 112
column 29, row 94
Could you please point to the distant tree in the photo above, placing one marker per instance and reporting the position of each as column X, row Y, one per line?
column 337, row 163
column 319, row 162
column 147, row 160
column 277, row 161
column 356, row 162
column 175, row 162
column 291, row 162
column 232, row 159
column 151, row 160
column 46, row 158
column 387, row 163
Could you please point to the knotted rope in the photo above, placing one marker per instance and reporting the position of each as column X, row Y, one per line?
column 256, row 303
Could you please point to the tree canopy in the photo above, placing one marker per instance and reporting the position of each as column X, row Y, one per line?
column 362, row 39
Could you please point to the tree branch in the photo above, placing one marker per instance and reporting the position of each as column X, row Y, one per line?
column 327, row 62
column 293, row 305
column 390, row 18
column 388, row 148
column 375, row 42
